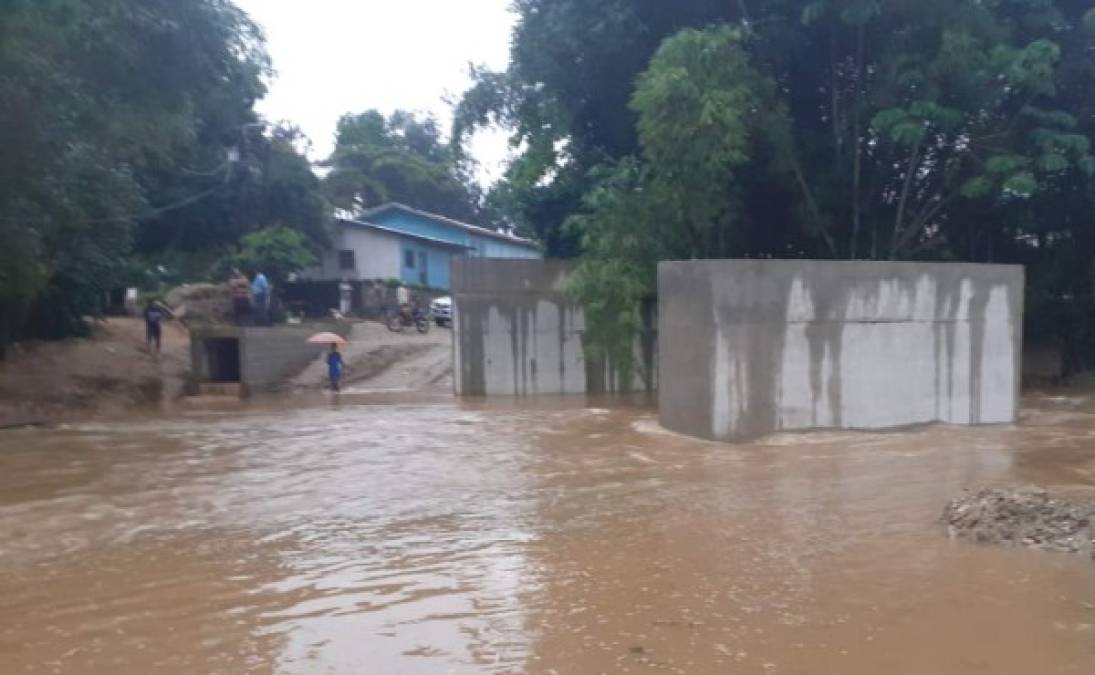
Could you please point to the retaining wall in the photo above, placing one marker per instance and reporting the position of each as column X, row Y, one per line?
column 267, row 355
column 750, row 347
column 516, row 333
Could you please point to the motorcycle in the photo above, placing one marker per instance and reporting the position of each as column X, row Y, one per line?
column 407, row 316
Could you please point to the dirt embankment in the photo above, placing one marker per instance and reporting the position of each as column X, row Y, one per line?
column 110, row 372
column 114, row 372
column 378, row 359
column 1023, row 518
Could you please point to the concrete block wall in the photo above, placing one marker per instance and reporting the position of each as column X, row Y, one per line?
column 750, row 347
column 516, row 333
column 514, row 330
column 268, row 355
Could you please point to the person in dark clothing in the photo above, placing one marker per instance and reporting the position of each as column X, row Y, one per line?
column 334, row 366
column 154, row 315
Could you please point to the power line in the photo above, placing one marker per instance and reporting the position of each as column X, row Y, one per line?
column 151, row 213
column 160, row 210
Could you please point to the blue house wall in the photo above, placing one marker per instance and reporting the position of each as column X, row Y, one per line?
column 426, row 245
column 483, row 246
column 437, row 260
column 413, row 224
column 495, row 248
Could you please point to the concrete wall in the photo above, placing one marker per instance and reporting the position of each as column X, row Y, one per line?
column 514, row 330
column 515, row 333
column 268, row 356
column 750, row 347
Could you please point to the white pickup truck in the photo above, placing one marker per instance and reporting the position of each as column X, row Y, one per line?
column 441, row 310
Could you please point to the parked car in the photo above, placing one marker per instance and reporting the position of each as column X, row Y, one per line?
column 441, row 310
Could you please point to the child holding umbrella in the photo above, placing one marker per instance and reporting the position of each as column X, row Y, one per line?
column 334, row 357
column 334, row 366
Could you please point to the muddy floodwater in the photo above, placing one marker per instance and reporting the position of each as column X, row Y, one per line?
column 570, row 536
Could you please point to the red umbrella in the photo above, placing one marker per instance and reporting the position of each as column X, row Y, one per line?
column 326, row 339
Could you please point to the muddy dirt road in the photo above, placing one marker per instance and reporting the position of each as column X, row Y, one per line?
column 378, row 360
column 564, row 537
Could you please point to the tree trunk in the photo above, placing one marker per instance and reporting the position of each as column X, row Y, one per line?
column 857, row 141
column 834, row 89
column 910, row 173
column 811, row 204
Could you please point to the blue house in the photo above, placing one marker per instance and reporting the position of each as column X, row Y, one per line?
column 395, row 241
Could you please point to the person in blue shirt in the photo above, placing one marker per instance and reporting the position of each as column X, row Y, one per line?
column 260, row 293
column 334, row 366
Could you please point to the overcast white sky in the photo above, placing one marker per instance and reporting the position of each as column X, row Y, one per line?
column 339, row 56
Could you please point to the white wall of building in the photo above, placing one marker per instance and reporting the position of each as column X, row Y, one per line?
column 376, row 255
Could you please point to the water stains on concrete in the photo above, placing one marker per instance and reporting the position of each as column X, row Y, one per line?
column 517, row 333
column 754, row 346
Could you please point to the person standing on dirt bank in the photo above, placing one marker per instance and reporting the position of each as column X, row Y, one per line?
column 154, row 314
column 260, row 291
column 240, row 289
column 334, row 367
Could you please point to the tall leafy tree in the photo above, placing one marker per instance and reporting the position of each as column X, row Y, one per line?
column 277, row 252
column 101, row 102
column 259, row 177
column 399, row 158
column 566, row 94
column 888, row 129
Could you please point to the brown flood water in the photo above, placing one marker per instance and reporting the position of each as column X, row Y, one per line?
column 557, row 537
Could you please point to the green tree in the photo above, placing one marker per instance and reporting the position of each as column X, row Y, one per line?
column 838, row 128
column 626, row 226
column 277, row 252
column 100, row 101
column 566, row 95
column 400, row 158
column 270, row 184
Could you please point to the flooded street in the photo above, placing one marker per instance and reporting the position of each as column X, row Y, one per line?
column 562, row 536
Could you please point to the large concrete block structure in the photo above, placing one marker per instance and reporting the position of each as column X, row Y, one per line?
column 516, row 333
column 253, row 358
column 750, row 347
column 514, row 330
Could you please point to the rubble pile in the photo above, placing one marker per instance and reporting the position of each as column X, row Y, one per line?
column 201, row 302
column 1022, row 518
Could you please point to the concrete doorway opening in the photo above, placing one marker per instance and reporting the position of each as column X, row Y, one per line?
column 224, row 360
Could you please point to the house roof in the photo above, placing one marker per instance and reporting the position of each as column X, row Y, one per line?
column 468, row 227
column 400, row 233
